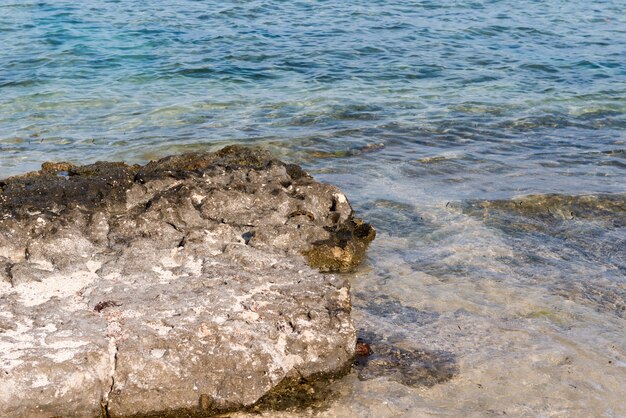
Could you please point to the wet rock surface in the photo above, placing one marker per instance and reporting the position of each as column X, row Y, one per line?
column 180, row 288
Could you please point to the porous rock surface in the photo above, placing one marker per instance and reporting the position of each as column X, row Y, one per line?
column 176, row 288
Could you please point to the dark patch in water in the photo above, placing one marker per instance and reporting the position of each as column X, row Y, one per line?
column 411, row 367
column 605, row 297
column 577, row 242
column 392, row 310
column 396, row 218
column 352, row 152
column 543, row 212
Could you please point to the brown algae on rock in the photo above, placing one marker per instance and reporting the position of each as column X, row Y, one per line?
column 344, row 250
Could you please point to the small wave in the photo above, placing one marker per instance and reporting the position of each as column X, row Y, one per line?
column 230, row 73
column 19, row 83
column 546, row 68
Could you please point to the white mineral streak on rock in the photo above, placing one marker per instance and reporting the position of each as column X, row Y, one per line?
column 57, row 286
column 166, row 276
column 40, row 381
column 93, row 266
column 197, row 199
column 341, row 198
column 14, row 342
column 157, row 352
column 44, row 265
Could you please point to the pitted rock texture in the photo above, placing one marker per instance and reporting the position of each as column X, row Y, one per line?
column 180, row 287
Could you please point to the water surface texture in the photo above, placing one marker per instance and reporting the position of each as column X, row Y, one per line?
column 486, row 141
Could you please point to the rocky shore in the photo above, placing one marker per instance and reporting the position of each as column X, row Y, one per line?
column 186, row 287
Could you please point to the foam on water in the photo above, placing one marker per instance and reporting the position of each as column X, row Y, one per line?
column 434, row 118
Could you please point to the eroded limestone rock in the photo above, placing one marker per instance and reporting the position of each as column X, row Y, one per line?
column 179, row 287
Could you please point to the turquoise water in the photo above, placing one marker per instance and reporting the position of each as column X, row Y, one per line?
column 509, row 87
column 417, row 110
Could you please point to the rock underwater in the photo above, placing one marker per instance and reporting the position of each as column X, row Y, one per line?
column 186, row 287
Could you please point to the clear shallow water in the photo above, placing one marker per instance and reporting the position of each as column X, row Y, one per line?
column 471, row 101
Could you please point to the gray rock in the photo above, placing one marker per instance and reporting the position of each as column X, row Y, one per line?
column 183, row 287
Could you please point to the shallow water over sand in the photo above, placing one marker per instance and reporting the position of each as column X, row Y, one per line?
column 438, row 120
column 527, row 296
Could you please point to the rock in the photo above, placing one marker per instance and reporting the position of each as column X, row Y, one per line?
column 175, row 288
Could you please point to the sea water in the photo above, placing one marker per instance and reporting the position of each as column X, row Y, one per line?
column 485, row 140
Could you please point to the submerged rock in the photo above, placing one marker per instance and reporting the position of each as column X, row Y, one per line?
column 178, row 288
column 577, row 240
column 541, row 212
column 377, row 358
